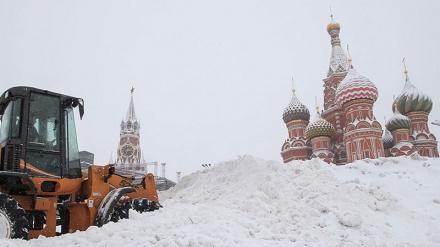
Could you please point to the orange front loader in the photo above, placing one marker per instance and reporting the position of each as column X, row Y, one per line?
column 42, row 188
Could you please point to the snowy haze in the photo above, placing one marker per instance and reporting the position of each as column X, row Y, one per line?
column 373, row 203
column 211, row 78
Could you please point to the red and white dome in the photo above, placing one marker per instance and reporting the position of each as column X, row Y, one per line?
column 355, row 86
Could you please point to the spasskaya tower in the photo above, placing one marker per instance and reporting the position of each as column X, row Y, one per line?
column 129, row 150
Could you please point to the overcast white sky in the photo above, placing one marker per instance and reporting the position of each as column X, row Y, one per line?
column 211, row 78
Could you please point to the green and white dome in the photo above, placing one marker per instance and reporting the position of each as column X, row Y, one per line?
column 398, row 121
column 411, row 100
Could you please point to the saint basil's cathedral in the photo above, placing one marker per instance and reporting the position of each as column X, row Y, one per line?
column 347, row 130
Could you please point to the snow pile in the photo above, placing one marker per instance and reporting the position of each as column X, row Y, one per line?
column 252, row 202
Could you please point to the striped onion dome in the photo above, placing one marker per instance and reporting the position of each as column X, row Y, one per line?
column 295, row 110
column 320, row 127
column 412, row 100
column 387, row 138
column 355, row 86
column 398, row 121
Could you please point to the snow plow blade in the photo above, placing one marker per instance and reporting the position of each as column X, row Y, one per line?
column 144, row 185
column 107, row 206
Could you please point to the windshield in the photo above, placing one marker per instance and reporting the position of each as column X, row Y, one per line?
column 43, row 134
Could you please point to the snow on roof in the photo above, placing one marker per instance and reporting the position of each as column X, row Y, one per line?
column 338, row 61
column 387, row 139
column 399, row 145
column 295, row 110
column 398, row 121
column 355, row 86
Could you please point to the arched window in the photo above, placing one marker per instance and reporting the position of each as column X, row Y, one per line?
column 343, row 155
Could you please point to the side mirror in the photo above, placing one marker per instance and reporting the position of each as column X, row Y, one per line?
column 74, row 102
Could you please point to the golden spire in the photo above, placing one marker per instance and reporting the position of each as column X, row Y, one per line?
column 317, row 107
column 406, row 71
column 293, row 86
column 349, row 57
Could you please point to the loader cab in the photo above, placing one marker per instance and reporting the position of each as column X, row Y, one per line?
column 37, row 133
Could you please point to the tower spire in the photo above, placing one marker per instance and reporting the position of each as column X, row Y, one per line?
column 131, row 114
column 338, row 60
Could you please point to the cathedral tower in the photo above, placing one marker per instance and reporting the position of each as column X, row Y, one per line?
column 129, row 150
column 356, row 94
column 399, row 126
column 296, row 116
column 320, row 133
column 337, row 71
column 416, row 106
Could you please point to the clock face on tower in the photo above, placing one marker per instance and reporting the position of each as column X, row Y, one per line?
column 127, row 150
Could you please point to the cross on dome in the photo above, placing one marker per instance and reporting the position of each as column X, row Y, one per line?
column 404, row 65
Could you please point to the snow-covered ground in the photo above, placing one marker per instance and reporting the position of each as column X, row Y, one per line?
column 253, row 202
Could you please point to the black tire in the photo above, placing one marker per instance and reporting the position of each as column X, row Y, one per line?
column 144, row 205
column 13, row 219
column 109, row 204
column 121, row 212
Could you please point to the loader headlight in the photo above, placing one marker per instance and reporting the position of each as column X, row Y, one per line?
column 111, row 170
column 48, row 186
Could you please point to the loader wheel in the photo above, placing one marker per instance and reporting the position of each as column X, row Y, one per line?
column 121, row 212
column 144, row 205
column 13, row 220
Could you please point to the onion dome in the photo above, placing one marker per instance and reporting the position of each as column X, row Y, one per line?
column 412, row 100
column 398, row 121
column 295, row 110
column 320, row 127
column 355, row 86
column 387, row 138
column 333, row 25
